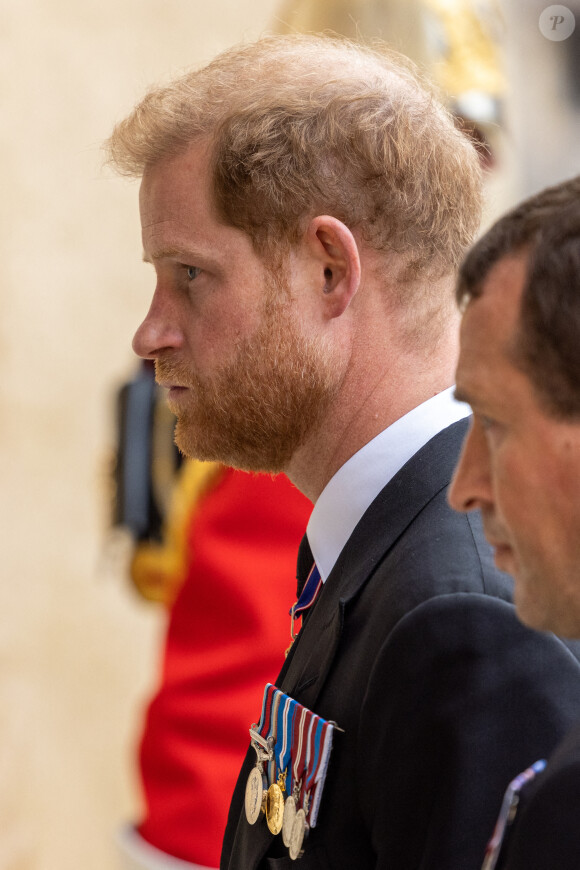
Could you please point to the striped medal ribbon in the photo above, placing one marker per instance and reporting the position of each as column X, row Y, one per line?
column 307, row 598
column 320, row 772
column 298, row 749
column 507, row 813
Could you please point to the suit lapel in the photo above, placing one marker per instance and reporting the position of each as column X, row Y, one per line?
column 394, row 509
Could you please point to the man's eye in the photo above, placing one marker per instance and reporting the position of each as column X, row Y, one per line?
column 492, row 430
column 192, row 272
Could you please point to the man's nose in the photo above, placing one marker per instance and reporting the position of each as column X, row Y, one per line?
column 471, row 486
column 159, row 331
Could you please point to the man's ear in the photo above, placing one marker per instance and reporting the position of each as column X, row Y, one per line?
column 336, row 253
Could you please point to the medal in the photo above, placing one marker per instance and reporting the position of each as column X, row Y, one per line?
column 299, row 741
column 257, row 783
column 299, row 829
column 288, row 821
column 296, row 770
column 275, row 797
column 275, row 808
column 254, row 794
column 292, row 746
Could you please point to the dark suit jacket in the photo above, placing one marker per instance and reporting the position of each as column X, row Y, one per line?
column 546, row 831
column 414, row 650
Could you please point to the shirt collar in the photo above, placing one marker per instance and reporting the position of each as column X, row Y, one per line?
column 357, row 483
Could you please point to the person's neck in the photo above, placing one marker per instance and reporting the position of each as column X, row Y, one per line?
column 362, row 410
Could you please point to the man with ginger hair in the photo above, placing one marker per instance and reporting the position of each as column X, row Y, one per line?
column 519, row 367
column 305, row 203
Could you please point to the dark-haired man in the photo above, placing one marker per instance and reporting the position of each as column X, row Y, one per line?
column 519, row 368
column 304, row 203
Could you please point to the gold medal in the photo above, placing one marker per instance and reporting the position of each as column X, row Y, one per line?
column 299, row 830
column 254, row 794
column 289, row 816
column 275, row 808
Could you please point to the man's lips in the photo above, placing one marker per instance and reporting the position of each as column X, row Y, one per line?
column 502, row 555
column 497, row 540
column 501, row 549
column 174, row 391
column 166, row 385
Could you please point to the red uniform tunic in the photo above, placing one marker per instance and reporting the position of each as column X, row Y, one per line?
column 228, row 629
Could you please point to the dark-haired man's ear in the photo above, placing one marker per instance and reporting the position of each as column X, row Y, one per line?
column 334, row 248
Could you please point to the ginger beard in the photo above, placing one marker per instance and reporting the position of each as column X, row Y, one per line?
column 259, row 407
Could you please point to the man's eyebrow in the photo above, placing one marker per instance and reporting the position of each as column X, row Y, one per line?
column 166, row 254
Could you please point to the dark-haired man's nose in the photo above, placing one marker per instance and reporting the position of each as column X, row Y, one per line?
column 471, row 486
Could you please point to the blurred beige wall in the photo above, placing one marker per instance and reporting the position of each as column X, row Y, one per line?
column 77, row 652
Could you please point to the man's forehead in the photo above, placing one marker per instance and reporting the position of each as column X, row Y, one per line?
column 495, row 312
column 179, row 175
column 505, row 280
column 176, row 206
column 488, row 329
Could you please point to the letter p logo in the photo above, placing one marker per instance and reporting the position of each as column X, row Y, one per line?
column 557, row 23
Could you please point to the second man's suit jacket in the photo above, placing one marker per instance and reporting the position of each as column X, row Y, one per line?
column 545, row 834
column 414, row 650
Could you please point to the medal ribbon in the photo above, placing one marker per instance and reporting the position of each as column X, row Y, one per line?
column 259, row 732
column 507, row 813
column 285, row 722
column 266, row 707
column 277, row 695
column 309, row 595
column 312, row 717
column 326, row 743
column 302, row 722
column 314, row 755
column 320, row 776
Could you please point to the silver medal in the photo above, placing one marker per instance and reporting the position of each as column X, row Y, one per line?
column 299, row 830
column 254, row 795
column 289, row 816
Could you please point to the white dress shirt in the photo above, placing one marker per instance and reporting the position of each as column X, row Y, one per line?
column 357, row 483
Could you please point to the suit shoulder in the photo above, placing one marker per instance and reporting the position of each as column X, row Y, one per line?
column 469, row 656
column 440, row 553
column 484, row 624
